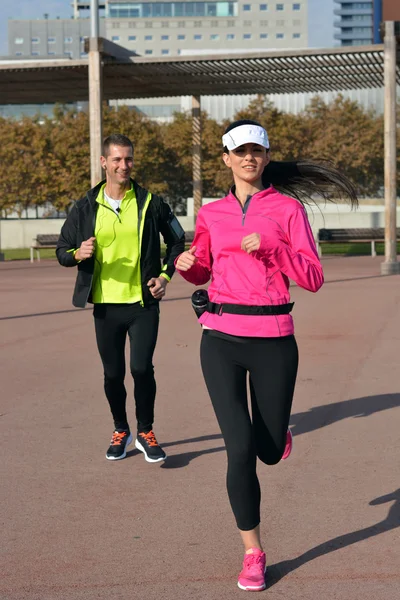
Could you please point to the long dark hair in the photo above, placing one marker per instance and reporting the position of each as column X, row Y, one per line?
column 305, row 179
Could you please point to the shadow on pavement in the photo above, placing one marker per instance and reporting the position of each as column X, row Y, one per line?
column 304, row 422
column 322, row 416
column 277, row 571
column 176, row 461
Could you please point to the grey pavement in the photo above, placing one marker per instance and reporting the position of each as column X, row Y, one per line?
column 78, row 527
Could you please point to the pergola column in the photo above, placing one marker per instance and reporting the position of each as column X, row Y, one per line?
column 390, row 266
column 95, row 95
column 196, row 161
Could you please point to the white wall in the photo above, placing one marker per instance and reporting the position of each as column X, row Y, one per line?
column 19, row 233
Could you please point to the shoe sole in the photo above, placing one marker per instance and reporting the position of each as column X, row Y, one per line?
column 291, row 448
column 255, row 588
column 150, row 460
column 130, row 440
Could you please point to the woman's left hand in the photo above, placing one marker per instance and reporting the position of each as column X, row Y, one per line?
column 251, row 243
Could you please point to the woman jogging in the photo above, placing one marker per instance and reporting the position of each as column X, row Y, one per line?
column 251, row 243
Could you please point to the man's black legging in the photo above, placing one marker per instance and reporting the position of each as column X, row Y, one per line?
column 113, row 322
column 272, row 367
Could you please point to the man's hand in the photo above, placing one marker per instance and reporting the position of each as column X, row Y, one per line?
column 251, row 243
column 157, row 287
column 86, row 250
column 186, row 260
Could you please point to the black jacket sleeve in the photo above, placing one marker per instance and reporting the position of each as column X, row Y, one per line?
column 174, row 237
column 68, row 242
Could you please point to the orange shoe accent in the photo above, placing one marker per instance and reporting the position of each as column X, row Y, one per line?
column 118, row 437
column 150, row 438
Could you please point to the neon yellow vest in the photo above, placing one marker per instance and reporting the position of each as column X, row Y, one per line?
column 117, row 276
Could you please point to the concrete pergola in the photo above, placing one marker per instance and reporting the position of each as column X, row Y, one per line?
column 112, row 72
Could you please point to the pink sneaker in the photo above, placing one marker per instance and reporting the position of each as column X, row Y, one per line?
column 252, row 576
column 289, row 445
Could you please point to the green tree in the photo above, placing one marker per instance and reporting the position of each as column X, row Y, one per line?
column 69, row 163
column 24, row 155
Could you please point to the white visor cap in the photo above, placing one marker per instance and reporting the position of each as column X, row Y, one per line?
column 245, row 134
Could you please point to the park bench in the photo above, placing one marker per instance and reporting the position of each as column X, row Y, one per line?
column 47, row 240
column 352, row 236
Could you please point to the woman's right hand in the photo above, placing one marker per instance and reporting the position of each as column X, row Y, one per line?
column 186, row 260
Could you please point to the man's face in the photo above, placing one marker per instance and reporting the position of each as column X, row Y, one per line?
column 118, row 164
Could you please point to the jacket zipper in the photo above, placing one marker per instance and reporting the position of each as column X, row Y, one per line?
column 244, row 208
column 141, row 216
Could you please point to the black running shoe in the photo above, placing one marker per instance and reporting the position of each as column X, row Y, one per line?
column 147, row 443
column 119, row 441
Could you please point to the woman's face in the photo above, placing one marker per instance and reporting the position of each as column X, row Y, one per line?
column 247, row 162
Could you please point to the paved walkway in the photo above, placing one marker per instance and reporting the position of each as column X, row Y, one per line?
column 77, row 527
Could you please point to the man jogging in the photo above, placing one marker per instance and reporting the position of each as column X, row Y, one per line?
column 113, row 236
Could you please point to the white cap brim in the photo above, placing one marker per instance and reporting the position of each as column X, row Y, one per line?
column 245, row 134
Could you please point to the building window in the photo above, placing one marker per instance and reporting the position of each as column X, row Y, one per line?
column 296, row 22
column 18, row 54
column 246, row 23
column 164, row 24
column 131, row 24
column 279, row 7
column 296, row 6
column 263, row 6
column 35, row 53
column 68, row 40
column 50, row 53
column 279, row 36
column 264, row 23
column 148, row 24
column 198, row 36
column 181, row 37
column 181, row 24
column 280, row 23
column 247, row 36
column 148, row 38
column 231, row 23
column 214, row 36
column 115, row 38
column 198, row 24
column 19, row 40
column 51, row 40
column 68, row 53
column 165, row 37
column 131, row 38
column 246, row 7
column 263, row 36
column 115, row 26
column 164, row 52
column 296, row 36
column 35, row 40
column 148, row 51
column 230, row 36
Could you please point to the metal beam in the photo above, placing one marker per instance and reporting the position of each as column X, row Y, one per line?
column 390, row 266
column 196, row 149
column 95, row 96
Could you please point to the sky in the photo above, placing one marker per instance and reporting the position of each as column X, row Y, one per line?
column 320, row 18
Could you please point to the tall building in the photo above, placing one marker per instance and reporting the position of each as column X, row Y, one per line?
column 166, row 28
column 358, row 22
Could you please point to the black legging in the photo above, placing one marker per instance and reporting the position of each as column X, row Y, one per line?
column 113, row 322
column 272, row 366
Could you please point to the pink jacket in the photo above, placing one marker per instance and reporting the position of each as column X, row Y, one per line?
column 287, row 251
